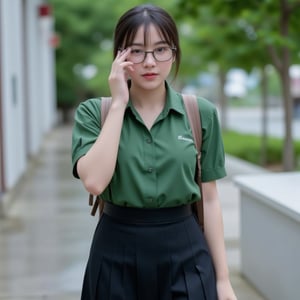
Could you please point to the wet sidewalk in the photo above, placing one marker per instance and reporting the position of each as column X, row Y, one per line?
column 46, row 232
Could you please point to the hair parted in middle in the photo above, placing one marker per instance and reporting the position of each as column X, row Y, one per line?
column 143, row 16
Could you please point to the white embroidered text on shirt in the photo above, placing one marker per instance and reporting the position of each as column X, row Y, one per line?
column 182, row 138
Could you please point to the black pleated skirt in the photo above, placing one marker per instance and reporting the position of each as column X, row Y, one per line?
column 152, row 258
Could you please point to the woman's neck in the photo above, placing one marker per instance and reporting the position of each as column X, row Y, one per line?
column 148, row 103
column 148, row 99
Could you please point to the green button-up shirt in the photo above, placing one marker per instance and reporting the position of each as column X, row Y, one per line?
column 154, row 168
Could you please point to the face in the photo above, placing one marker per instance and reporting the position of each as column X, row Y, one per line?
column 150, row 73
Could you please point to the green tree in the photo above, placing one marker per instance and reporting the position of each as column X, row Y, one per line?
column 84, row 57
column 267, row 30
column 82, row 26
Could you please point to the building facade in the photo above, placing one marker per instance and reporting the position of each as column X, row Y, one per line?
column 27, row 85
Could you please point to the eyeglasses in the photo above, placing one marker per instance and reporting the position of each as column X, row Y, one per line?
column 138, row 55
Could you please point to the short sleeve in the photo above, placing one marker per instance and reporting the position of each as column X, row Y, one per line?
column 212, row 154
column 86, row 129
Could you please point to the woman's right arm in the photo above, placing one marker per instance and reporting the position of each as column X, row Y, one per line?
column 105, row 150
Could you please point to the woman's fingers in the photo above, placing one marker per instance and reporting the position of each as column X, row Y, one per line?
column 122, row 54
column 119, row 75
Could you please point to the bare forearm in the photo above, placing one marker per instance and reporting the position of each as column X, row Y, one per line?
column 214, row 233
column 96, row 168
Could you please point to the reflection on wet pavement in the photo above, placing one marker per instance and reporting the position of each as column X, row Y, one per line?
column 46, row 233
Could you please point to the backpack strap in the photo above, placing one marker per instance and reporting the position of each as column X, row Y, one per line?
column 192, row 110
column 98, row 202
column 105, row 105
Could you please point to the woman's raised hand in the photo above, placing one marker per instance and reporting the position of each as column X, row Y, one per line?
column 119, row 75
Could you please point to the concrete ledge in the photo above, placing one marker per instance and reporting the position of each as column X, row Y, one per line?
column 236, row 166
column 280, row 191
column 270, row 226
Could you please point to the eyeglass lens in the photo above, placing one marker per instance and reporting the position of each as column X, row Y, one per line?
column 138, row 55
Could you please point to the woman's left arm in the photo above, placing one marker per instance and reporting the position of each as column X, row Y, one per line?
column 214, row 234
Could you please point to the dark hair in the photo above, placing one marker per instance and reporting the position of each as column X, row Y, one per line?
column 144, row 15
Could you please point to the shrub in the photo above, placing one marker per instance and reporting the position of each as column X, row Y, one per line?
column 249, row 147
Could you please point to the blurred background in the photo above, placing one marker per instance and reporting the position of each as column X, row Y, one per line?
column 242, row 55
column 56, row 53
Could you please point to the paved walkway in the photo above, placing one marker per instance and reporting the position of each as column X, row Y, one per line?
column 46, row 231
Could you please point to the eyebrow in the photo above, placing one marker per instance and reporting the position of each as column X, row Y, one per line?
column 155, row 44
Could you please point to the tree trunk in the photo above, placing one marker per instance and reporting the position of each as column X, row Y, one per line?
column 223, row 100
column 288, row 149
column 264, row 135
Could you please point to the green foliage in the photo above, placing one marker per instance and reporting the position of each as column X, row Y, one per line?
column 248, row 147
column 86, row 32
column 236, row 33
column 82, row 27
column 267, row 29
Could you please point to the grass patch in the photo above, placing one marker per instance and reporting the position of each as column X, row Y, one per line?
column 249, row 147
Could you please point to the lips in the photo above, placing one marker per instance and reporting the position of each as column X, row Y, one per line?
column 150, row 75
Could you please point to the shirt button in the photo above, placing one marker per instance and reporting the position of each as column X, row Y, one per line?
column 148, row 140
column 150, row 170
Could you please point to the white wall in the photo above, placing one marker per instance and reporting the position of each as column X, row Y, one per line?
column 41, row 92
column 28, row 83
column 47, row 71
column 33, row 78
column 270, row 226
column 12, row 91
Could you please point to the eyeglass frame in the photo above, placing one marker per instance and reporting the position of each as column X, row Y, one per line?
column 173, row 49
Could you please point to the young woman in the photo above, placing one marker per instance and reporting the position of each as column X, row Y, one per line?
column 148, row 244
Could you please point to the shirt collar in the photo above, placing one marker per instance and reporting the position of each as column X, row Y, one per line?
column 173, row 101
